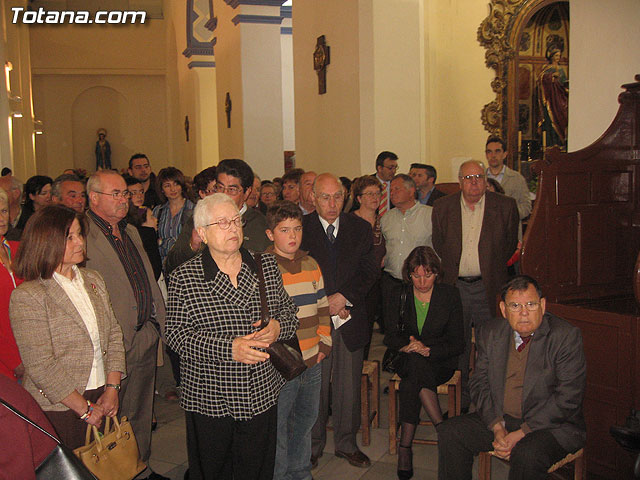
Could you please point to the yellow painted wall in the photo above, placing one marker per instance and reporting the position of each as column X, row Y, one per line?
column 385, row 89
column 228, row 79
column 73, row 66
column 327, row 126
column 192, row 93
column 398, row 122
column 457, row 84
column 18, row 130
column 599, row 64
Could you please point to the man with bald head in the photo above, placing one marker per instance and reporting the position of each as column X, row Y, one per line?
column 342, row 245
column 115, row 250
column 475, row 232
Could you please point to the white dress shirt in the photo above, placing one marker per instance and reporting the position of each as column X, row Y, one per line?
column 78, row 295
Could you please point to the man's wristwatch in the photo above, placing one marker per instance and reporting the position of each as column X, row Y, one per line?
column 113, row 385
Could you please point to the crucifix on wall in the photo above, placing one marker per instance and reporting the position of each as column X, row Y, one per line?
column 320, row 61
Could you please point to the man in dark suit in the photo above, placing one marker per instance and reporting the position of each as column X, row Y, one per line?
column 115, row 250
column 528, row 387
column 342, row 245
column 386, row 168
column 424, row 176
column 475, row 232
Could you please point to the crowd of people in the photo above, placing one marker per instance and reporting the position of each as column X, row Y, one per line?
column 106, row 279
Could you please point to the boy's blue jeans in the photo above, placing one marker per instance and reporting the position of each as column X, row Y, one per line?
column 297, row 412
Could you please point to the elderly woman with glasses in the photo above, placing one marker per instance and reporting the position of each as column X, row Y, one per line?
column 429, row 336
column 229, row 386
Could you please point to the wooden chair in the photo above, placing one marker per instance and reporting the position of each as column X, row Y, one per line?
column 578, row 459
column 452, row 388
column 369, row 399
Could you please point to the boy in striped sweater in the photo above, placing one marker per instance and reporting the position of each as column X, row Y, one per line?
column 299, row 398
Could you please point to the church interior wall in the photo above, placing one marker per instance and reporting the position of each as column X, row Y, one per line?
column 70, row 60
column 605, row 43
column 328, row 125
column 457, row 84
column 415, row 87
column 288, row 93
column 192, row 94
column 398, row 68
column 17, row 106
column 262, row 113
column 228, row 79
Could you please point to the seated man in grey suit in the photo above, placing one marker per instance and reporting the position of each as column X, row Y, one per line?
column 528, row 388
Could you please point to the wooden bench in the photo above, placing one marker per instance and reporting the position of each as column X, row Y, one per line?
column 578, row 459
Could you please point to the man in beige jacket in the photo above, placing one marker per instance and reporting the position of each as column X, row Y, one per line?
column 115, row 250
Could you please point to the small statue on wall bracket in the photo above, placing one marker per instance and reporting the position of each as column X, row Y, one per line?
column 186, row 126
column 103, row 151
column 321, row 59
column 227, row 109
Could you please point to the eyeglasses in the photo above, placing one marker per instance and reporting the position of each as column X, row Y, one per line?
column 268, row 194
column 517, row 307
column 469, row 178
column 427, row 275
column 117, row 194
column 224, row 224
column 233, row 189
column 324, row 197
column 372, row 194
column 392, row 168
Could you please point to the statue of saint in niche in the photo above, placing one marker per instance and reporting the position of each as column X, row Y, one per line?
column 103, row 151
column 553, row 95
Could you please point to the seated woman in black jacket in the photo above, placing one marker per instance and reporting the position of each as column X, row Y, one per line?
column 430, row 337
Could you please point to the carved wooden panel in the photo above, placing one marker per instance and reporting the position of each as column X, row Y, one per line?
column 582, row 244
column 610, row 347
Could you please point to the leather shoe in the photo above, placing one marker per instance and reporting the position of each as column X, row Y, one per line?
column 357, row 458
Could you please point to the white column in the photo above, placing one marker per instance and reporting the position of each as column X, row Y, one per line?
column 248, row 67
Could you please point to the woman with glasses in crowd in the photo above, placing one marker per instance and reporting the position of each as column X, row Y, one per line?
column 429, row 336
column 367, row 191
column 229, row 386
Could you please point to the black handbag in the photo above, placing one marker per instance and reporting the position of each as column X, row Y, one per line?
column 398, row 362
column 61, row 463
column 285, row 355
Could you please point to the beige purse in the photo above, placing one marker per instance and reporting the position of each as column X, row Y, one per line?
column 115, row 455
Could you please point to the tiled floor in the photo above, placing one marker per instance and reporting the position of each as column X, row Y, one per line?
column 169, row 456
